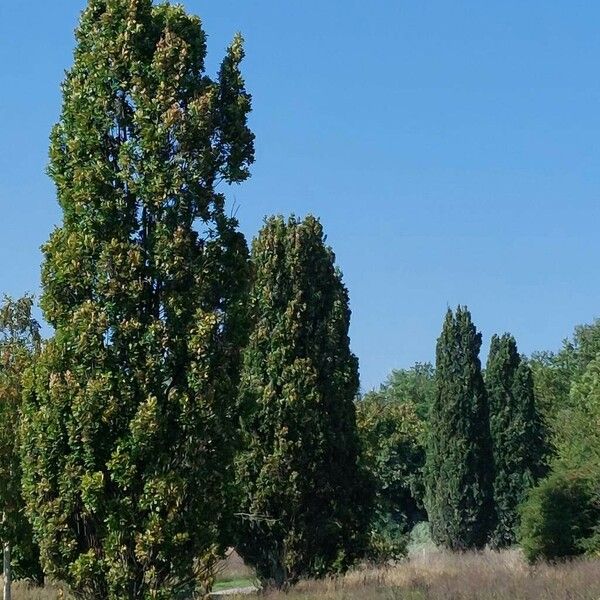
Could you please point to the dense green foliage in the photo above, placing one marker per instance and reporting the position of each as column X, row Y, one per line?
column 304, row 502
column 415, row 386
column 577, row 435
column 393, row 440
column 562, row 516
column 128, row 428
column 459, row 468
column 19, row 345
column 517, row 435
column 555, row 372
column 559, row 516
column 392, row 424
column 129, row 439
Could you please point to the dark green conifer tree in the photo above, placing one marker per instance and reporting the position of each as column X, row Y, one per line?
column 304, row 503
column 517, row 435
column 458, row 472
column 128, row 420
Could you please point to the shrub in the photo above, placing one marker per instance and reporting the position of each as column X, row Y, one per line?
column 558, row 517
column 420, row 541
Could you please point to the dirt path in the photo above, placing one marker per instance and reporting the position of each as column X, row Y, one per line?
column 242, row 591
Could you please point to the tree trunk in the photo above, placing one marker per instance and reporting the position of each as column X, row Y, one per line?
column 7, row 572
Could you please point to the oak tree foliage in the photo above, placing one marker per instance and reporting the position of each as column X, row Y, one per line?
column 128, row 420
column 304, row 501
column 20, row 343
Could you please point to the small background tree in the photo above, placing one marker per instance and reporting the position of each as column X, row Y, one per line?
column 415, row 386
column 517, row 435
column 459, row 464
column 19, row 345
column 393, row 440
column 554, row 373
column 304, row 502
column 561, row 517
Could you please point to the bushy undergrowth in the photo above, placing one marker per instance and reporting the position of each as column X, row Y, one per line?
column 420, row 541
column 559, row 516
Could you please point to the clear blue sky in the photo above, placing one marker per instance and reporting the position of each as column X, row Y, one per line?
column 452, row 150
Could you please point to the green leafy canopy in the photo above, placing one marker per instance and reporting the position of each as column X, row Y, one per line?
column 129, row 414
column 20, row 343
column 303, row 497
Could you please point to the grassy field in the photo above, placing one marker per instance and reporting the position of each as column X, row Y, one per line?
column 432, row 576
column 441, row 576
column 21, row 591
column 232, row 573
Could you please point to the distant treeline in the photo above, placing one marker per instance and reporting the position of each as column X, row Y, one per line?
column 432, row 447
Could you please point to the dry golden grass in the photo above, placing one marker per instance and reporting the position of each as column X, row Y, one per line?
column 22, row 591
column 445, row 576
column 433, row 576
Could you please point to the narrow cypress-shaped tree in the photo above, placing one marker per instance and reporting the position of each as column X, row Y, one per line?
column 517, row 434
column 304, row 502
column 128, row 420
column 458, row 472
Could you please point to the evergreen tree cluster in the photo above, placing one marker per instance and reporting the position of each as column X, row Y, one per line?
column 486, row 439
column 517, row 433
column 459, row 467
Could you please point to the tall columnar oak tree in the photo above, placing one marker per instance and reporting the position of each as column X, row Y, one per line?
column 517, row 435
column 19, row 345
column 459, row 459
column 128, row 420
column 304, row 500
